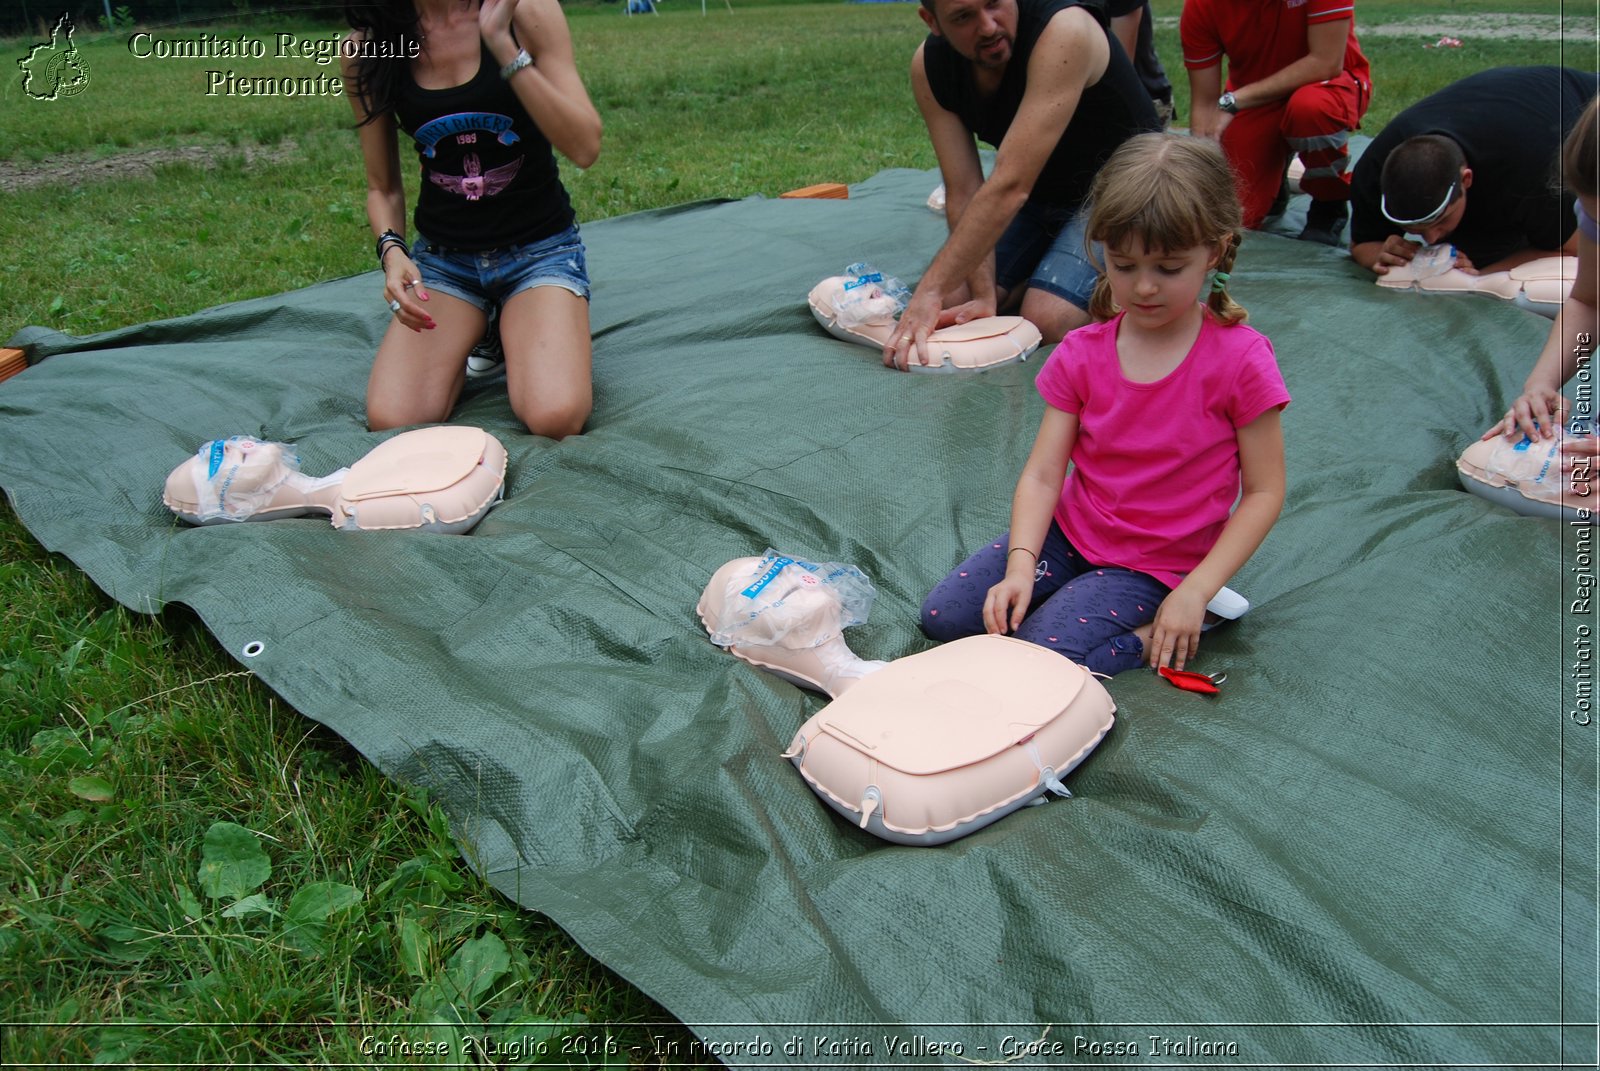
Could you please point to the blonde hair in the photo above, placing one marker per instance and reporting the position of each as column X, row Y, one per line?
column 1171, row 193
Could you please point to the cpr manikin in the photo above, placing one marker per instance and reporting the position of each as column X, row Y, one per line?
column 440, row 479
column 921, row 750
column 1539, row 285
column 864, row 305
column 1523, row 476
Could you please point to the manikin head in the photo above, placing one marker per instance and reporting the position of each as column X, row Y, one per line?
column 785, row 606
column 230, row 478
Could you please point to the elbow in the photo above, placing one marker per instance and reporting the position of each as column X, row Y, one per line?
column 586, row 148
column 1271, row 501
column 1264, row 499
column 1043, row 483
column 380, row 197
column 1331, row 68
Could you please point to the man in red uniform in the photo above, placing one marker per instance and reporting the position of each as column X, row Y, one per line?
column 1297, row 83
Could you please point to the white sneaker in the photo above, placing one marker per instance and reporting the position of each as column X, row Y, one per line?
column 1229, row 605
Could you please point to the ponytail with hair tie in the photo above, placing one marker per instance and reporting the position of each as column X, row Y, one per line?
column 1219, row 301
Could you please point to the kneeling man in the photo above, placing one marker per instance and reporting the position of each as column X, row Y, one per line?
column 1297, row 83
column 1496, row 134
column 1045, row 84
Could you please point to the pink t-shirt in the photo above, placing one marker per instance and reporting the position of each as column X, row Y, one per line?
column 1155, row 469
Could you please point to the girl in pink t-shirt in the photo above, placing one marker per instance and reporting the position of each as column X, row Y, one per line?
column 1167, row 408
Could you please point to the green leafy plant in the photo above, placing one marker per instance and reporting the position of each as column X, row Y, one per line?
column 121, row 19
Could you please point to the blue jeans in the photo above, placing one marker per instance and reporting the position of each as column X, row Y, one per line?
column 493, row 276
column 1044, row 250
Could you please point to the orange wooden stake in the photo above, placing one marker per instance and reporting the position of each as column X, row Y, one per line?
column 11, row 362
column 835, row 190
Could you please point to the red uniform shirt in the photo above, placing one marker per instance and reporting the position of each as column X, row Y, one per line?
column 1261, row 37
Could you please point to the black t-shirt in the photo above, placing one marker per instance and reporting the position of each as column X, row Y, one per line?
column 1510, row 123
column 489, row 177
column 1109, row 112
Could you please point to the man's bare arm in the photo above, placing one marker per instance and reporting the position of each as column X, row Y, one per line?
column 1324, row 59
column 1071, row 55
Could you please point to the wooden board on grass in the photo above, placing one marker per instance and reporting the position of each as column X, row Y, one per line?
column 11, row 362
column 835, row 190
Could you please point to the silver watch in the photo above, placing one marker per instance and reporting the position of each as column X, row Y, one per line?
column 1228, row 104
column 519, row 61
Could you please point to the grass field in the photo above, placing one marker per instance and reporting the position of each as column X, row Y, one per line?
column 134, row 754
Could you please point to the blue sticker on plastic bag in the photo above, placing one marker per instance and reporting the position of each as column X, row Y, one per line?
column 216, row 457
column 778, row 565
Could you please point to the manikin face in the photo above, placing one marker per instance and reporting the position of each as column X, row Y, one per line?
column 981, row 31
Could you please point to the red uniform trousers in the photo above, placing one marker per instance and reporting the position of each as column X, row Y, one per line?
column 1314, row 121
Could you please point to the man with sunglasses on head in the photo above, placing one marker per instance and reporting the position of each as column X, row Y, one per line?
column 1494, row 135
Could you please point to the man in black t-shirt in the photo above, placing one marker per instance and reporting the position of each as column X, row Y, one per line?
column 1039, row 80
column 1496, row 134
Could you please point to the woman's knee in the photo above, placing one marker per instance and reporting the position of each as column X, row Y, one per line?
column 384, row 415
column 554, row 418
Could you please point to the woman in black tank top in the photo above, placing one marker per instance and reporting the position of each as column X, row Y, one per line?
column 488, row 91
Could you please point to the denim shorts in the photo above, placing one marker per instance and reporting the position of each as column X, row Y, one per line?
column 1043, row 249
column 492, row 276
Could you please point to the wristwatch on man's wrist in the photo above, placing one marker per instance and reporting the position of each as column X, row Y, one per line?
column 1227, row 103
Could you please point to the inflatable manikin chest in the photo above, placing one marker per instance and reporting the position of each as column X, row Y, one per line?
column 924, row 749
column 1523, row 476
column 854, row 310
column 1539, row 285
column 441, row 479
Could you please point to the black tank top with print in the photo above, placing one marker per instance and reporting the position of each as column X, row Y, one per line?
column 489, row 176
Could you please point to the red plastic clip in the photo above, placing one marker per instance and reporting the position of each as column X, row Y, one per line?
column 1189, row 681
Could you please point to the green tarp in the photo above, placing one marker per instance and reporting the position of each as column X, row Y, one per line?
column 1378, row 846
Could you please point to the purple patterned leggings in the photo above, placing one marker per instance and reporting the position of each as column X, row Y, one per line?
column 1085, row 612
